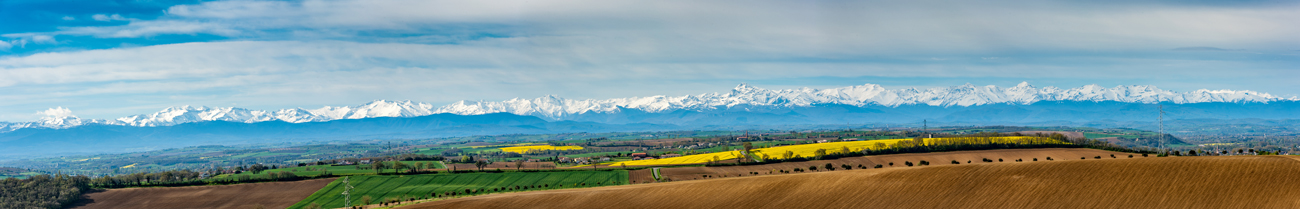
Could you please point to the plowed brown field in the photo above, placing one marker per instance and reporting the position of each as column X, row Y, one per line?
column 935, row 158
column 1171, row 182
column 268, row 195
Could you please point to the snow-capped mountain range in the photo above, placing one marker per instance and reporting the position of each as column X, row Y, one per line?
column 556, row 108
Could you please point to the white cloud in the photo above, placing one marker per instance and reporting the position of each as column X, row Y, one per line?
column 69, row 18
column 808, row 27
column 46, row 39
column 5, row 45
column 151, row 28
column 56, row 113
column 105, row 18
column 313, row 53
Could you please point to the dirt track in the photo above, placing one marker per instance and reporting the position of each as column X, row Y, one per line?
column 1170, row 182
column 935, row 158
column 268, row 195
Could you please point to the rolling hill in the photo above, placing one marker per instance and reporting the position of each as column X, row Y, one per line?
column 1173, row 182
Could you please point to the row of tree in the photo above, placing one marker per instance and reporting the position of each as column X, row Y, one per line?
column 398, row 166
column 980, row 141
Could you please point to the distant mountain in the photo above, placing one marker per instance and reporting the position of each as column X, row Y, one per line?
column 100, row 138
column 868, row 97
column 745, row 107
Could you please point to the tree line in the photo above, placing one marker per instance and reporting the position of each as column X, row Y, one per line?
column 43, row 191
column 979, row 141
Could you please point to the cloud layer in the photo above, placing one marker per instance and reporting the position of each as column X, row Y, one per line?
column 282, row 54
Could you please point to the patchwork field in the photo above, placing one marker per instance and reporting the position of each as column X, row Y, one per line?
column 333, row 169
column 422, row 186
column 526, row 149
column 1167, row 182
column 808, row 150
column 502, row 166
column 899, row 160
column 648, row 142
column 268, row 195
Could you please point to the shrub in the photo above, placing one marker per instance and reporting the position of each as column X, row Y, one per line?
column 955, row 162
column 1144, row 154
column 925, row 162
column 1130, row 156
column 879, row 166
column 1097, row 157
column 999, row 159
column 1035, row 159
column 908, row 163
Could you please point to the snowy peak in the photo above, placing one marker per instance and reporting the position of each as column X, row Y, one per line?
column 58, row 117
column 868, row 94
column 553, row 107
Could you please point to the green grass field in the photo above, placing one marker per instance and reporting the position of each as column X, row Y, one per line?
column 341, row 170
column 380, row 188
column 1100, row 135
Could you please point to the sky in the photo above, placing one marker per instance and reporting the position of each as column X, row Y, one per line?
column 112, row 58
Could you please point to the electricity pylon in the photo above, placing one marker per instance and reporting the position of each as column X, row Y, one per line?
column 1161, row 118
column 347, row 194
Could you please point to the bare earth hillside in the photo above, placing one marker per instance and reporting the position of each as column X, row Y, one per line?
column 268, row 195
column 1172, row 182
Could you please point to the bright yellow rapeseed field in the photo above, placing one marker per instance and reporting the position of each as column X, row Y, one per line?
column 689, row 159
column 524, row 149
column 808, row 150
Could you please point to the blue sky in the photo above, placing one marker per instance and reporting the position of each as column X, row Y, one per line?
column 107, row 59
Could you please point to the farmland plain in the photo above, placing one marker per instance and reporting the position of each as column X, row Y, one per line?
column 267, row 195
column 886, row 161
column 526, row 149
column 423, row 186
column 315, row 170
column 1154, row 182
column 809, row 150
